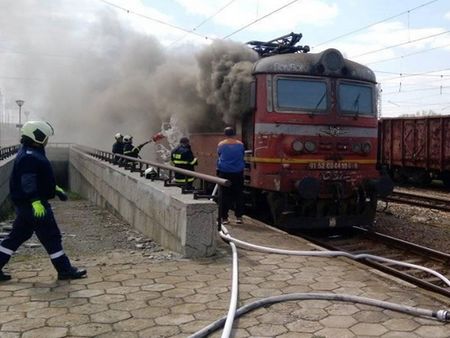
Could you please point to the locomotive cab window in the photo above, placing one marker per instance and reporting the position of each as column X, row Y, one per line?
column 356, row 99
column 294, row 95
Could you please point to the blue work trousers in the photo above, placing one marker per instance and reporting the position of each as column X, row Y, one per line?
column 46, row 230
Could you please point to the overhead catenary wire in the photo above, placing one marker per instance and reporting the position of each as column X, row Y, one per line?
column 401, row 44
column 407, row 55
column 376, row 23
column 203, row 22
column 403, row 75
column 417, row 90
column 259, row 19
column 129, row 11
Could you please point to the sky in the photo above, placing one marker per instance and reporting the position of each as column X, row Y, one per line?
column 110, row 55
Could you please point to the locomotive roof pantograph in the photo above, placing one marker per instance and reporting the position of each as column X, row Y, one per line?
column 285, row 44
column 282, row 56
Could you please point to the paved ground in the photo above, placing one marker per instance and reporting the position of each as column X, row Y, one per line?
column 144, row 292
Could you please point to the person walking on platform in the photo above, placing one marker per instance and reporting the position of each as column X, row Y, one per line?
column 32, row 184
column 183, row 158
column 117, row 147
column 230, row 166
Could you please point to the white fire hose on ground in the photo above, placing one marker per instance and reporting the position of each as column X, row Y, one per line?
column 227, row 322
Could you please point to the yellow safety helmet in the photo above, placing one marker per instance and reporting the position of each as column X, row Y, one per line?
column 38, row 131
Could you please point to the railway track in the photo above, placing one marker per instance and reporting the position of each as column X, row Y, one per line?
column 362, row 241
column 421, row 200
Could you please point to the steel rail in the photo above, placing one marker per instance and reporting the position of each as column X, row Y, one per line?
column 425, row 255
column 439, row 203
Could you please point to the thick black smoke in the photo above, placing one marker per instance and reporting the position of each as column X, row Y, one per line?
column 92, row 74
column 225, row 75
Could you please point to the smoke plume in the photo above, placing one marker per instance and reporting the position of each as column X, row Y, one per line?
column 91, row 74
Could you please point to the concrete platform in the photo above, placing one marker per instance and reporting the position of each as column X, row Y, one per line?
column 129, row 295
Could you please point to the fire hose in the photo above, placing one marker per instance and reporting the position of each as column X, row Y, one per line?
column 227, row 322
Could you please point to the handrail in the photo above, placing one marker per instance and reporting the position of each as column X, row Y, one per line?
column 8, row 151
column 144, row 163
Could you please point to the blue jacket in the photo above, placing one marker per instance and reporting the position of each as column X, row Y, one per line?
column 32, row 177
column 117, row 148
column 231, row 156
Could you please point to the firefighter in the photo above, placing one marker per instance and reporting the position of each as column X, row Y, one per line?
column 32, row 184
column 129, row 149
column 117, row 147
column 182, row 157
column 230, row 165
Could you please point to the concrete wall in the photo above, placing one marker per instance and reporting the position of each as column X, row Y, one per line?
column 58, row 155
column 175, row 221
column 6, row 167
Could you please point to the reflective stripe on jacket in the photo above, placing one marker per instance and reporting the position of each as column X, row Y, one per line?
column 182, row 157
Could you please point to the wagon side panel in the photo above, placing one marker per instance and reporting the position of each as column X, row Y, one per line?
column 397, row 142
column 446, row 143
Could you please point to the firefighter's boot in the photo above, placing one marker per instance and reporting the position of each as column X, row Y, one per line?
column 66, row 270
column 4, row 277
column 75, row 273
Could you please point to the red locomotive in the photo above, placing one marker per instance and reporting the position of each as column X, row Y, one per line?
column 416, row 148
column 311, row 135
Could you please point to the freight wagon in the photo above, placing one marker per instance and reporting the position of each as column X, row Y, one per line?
column 416, row 148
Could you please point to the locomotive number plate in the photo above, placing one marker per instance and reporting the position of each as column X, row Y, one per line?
column 327, row 165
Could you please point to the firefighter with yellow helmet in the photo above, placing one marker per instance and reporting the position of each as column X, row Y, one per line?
column 32, row 184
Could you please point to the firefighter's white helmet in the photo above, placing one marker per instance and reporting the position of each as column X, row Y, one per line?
column 127, row 138
column 151, row 173
column 38, row 131
column 118, row 136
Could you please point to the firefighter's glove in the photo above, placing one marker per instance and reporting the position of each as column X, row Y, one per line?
column 61, row 193
column 38, row 209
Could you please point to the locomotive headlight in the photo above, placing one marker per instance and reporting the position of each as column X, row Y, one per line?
column 356, row 147
column 366, row 147
column 332, row 60
column 297, row 146
column 310, row 146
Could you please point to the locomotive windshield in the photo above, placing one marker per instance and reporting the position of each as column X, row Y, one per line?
column 301, row 94
column 356, row 99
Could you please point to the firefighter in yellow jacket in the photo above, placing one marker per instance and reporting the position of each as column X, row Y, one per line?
column 182, row 157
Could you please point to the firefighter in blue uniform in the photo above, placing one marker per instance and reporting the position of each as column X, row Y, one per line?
column 32, row 184
column 183, row 158
column 117, row 147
